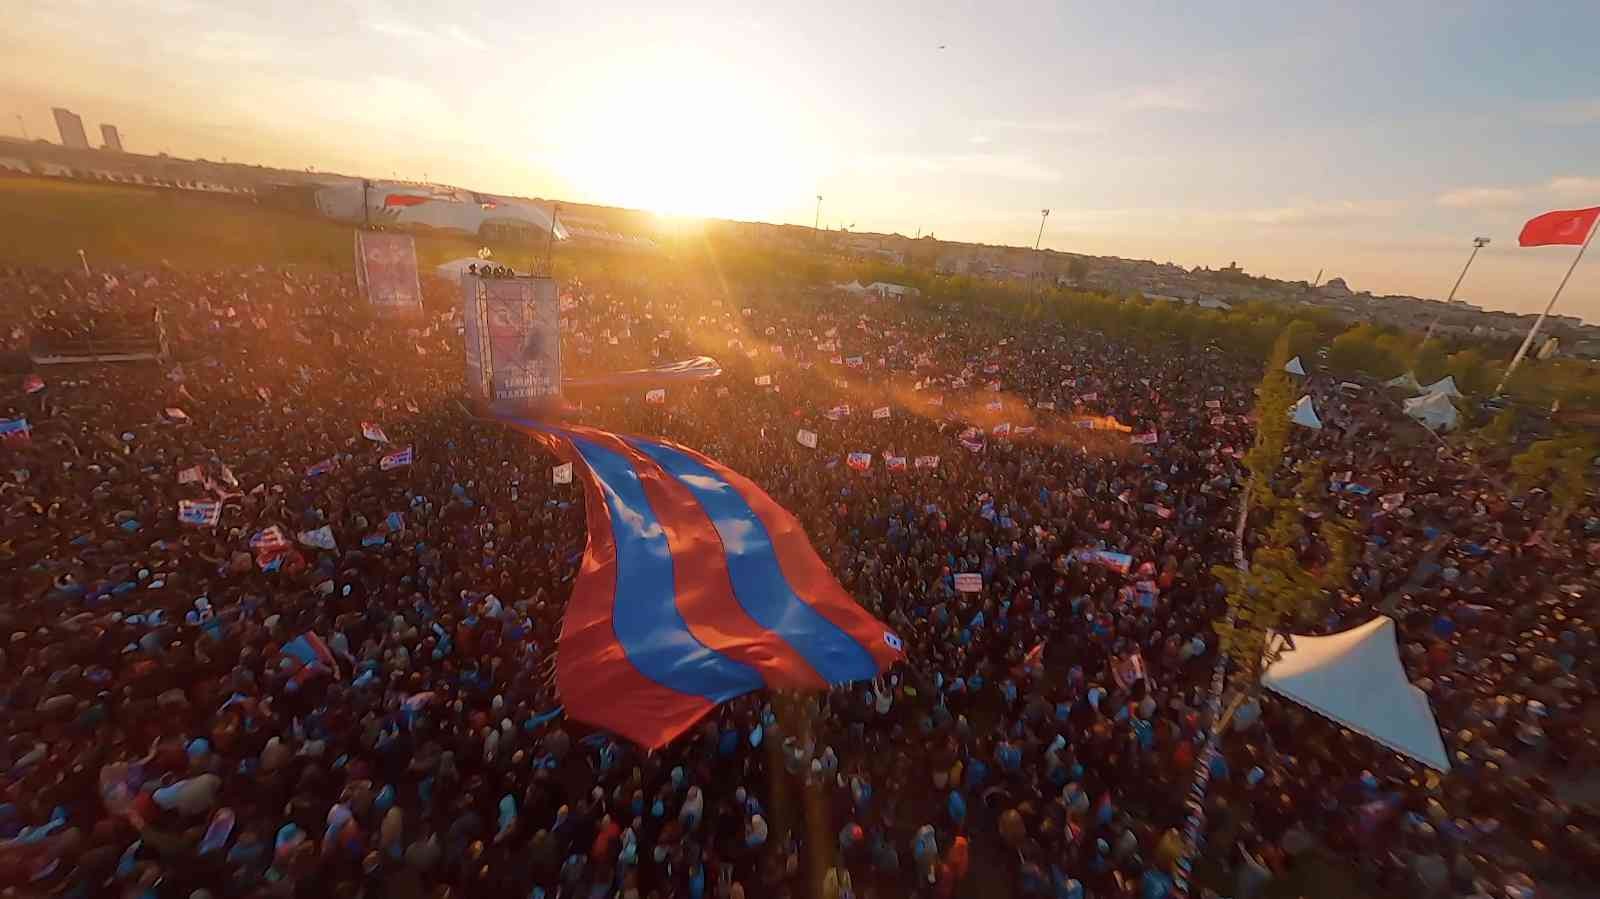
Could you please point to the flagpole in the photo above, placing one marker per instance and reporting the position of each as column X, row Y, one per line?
column 1534, row 331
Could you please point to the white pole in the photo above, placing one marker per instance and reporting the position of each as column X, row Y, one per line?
column 85, row 260
column 1534, row 331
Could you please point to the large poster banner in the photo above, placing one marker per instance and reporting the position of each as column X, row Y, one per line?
column 513, row 336
column 386, row 267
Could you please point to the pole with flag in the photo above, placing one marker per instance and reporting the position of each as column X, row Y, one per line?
column 1563, row 227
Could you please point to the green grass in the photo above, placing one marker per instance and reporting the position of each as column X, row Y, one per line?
column 46, row 222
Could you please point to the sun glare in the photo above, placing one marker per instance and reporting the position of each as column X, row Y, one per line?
column 688, row 139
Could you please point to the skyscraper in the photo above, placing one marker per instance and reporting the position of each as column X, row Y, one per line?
column 112, row 140
column 71, row 128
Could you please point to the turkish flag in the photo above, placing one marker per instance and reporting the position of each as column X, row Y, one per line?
column 1564, row 226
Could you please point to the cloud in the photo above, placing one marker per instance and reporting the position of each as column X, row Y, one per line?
column 446, row 37
column 1042, row 126
column 1575, row 187
column 1317, row 213
column 1313, row 214
column 1481, row 197
column 1168, row 98
column 1012, row 166
column 1566, row 112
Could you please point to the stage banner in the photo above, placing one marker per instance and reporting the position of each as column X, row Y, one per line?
column 386, row 267
column 513, row 342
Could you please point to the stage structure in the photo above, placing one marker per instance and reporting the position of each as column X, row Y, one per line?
column 386, row 270
column 513, row 343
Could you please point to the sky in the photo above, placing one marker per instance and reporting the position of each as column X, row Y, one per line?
column 1371, row 142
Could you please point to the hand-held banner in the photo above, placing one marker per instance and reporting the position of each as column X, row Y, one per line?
column 200, row 513
column 396, row 459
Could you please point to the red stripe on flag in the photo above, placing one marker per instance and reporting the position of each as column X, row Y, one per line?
column 703, row 586
column 405, row 200
column 808, row 577
column 598, row 683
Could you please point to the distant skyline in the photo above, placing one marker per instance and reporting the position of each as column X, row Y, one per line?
column 1372, row 141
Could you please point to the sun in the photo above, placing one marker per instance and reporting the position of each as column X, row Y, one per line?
column 687, row 140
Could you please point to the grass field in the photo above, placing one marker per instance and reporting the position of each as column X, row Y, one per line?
column 46, row 222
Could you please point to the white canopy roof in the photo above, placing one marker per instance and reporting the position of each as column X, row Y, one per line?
column 1294, row 367
column 1408, row 381
column 1355, row 678
column 852, row 287
column 1303, row 414
column 1434, row 410
column 1445, row 385
column 455, row 267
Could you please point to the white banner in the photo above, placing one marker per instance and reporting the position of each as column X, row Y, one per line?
column 322, row 538
column 201, row 513
column 763, row 380
column 969, row 583
column 927, row 461
column 807, row 438
column 881, row 412
column 562, row 474
column 657, row 397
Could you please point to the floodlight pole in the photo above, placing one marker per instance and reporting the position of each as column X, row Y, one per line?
column 1039, row 238
column 1478, row 243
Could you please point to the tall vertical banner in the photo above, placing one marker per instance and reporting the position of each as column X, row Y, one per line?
column 386, row 270
column 513, row 336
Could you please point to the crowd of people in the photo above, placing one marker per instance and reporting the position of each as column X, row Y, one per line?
column 341, row 685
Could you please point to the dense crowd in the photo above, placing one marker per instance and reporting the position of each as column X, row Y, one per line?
column 167, row 734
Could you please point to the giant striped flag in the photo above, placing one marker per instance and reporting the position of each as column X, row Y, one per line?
column 695, row 588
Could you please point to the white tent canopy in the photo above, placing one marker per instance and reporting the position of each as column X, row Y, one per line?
column 1433, row 410
column 1445, row 386
column 1355, row 678
column 1407, row 381
column 1294, row 367
column 455, row 267
column 1303, row 414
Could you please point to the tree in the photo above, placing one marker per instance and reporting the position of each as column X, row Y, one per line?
column 1562, row 463
column 1498, row 432
column 1276, row 591
column 1275, row 397
column 1471, row 371
column 1429, row 362
column 1363, row 349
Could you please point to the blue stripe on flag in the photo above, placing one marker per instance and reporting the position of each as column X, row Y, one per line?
column 644, row 612
column 758, row 581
